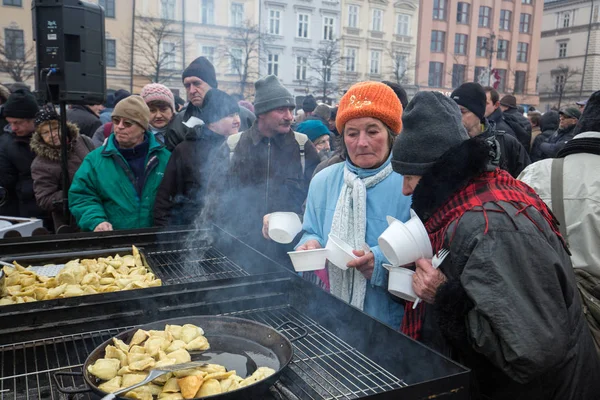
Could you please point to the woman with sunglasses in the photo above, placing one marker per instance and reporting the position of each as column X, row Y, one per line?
column 116, row 185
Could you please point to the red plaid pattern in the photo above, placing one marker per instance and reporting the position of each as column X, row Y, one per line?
column 494, row 187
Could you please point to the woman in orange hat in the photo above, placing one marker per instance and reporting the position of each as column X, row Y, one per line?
column 352, row 199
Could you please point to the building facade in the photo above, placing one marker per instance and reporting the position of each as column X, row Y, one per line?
column 493, row 42
column 379, row 41
column 569, row 64
column 301, row 46
column 154, row 40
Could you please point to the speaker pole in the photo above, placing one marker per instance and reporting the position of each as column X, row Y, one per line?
column 64, row 158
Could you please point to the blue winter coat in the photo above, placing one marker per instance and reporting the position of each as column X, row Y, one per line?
column 383, row 199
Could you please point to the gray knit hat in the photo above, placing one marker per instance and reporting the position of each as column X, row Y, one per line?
column 431, row 124
column 270, row 94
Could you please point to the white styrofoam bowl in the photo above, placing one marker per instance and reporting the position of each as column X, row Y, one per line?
column 400, row 282
column 340, row 252
column 308, row 260
column 284, row 226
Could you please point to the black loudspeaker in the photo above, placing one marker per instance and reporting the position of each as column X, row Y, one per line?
column 70, row 48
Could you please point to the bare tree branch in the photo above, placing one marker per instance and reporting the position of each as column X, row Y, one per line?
column 15, row 60
column 324, row 62
column 243, row 50
column 155, row 49
column 563, row 78
column 401, row 64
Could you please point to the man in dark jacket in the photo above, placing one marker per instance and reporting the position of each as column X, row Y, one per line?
column 16, row 157
column 504, row 301
column 87, row 118
column 493, row 112
column 548, row 124
column 471, row 99
column 516, row 119
column 198, row 78
column 181, row 195
column 261, row 170
column 568, row 120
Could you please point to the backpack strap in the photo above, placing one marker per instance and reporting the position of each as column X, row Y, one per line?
column 301, row 138
column 232, row 142
column 88, row 143
column 558, row 202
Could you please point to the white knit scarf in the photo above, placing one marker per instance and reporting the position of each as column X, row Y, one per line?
column 350, row 225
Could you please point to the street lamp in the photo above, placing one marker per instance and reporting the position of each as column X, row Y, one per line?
column 491, row 55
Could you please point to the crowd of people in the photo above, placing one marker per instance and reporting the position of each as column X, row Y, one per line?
column 514, row 199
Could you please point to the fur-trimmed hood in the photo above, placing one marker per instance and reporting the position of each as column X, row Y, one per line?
column 43, row 149
column 452, row 172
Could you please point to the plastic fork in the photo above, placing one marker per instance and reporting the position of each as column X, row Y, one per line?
column 155, row 373
column 436, row 261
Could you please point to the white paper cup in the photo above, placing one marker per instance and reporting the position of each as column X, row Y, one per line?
column 400, row 282
column 309, row 260
column 397, row 244
column 340, row 253
column 284, row 226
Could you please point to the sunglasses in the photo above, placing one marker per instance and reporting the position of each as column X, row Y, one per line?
column 126, row 123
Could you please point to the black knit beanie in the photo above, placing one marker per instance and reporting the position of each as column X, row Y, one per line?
column 309, row 103
column 203, row 69
column 20, row 104
column 218, row 105
column 46, row 114
column 471, row 96
column 590, row 119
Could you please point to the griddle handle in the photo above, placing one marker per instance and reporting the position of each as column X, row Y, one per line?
column 294, row 325
column 69, row 390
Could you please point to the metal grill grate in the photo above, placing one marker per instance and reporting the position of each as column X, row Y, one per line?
column 323, row 367
column 192, row 265
column 27, row 368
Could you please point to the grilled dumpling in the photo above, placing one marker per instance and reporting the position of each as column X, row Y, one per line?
column 181, row 356
column 170, row 396
column 111, row 386
column 175, row 331
column 113, row 352
column 210, row 387
column 189, row 386
column 171, row 386
column 190, row 332
column 142, row 364
column 105, row 368
column 200, row 343
column 132, row 379
column 176, row 345
column 138, row 337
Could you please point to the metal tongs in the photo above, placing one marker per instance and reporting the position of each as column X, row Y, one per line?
column 155, row 373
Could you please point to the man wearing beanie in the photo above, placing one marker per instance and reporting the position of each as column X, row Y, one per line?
column 512, row 115
column 182, row 192
column 494, row 114
column 198, row 78
column 264, row 169
column 471, row 100
column 104, row 131
column 580, row 197
column 116, row 185
column 309, row 103
column 551, row 146
column 503, row 302
column 16, row 157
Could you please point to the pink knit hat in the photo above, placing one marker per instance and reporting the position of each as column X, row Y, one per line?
column 157, row 92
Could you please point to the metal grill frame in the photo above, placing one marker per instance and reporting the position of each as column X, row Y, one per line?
column 321, row 349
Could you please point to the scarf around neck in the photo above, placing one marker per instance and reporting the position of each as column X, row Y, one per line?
column 480, row 188
column 350, row 225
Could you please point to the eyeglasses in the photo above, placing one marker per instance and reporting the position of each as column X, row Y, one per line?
column 126, row 123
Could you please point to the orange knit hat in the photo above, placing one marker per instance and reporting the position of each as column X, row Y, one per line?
column 370, row 99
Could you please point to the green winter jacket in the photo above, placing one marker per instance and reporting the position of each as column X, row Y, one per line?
column 103, row 188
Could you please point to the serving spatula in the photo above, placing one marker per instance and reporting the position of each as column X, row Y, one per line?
column 155, row 373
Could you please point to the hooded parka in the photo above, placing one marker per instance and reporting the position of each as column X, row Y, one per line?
column 46, row 171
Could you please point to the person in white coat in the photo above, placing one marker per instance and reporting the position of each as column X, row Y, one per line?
column 581, row 203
